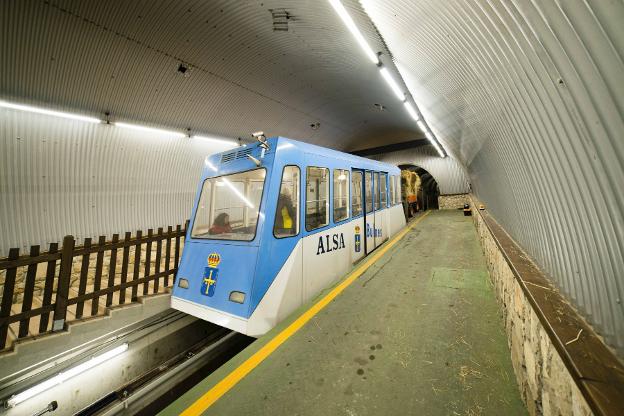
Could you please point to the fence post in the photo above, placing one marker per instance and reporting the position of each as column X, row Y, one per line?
column 7, row 297
column 62, row 291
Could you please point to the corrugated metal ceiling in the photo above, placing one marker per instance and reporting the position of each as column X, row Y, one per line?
column 122, row 57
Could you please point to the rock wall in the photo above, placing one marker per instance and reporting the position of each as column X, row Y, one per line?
column 546, row 386
column 452, row 201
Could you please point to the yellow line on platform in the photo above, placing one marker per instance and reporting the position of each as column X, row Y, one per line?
column 222, row 387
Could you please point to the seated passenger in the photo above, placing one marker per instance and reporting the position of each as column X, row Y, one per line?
column 285, row 217
column 221, row 224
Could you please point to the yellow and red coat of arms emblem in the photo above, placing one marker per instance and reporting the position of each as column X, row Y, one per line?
column 209, row 281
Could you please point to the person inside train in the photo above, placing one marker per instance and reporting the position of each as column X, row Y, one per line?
column 285, row 218
column 221, row 224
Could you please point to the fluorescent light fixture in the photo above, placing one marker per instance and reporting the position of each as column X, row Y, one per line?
column 38, row 110
column 346, row 18
column 411, row 111
column 392, row 83
column 149, row 129
column 434, row 143
column 216, row 141
column 64, row 376
column 421, row 126
column 438, row 149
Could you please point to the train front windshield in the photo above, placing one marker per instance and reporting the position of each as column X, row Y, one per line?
column 229, row 206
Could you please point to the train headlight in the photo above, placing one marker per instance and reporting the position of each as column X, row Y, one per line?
column 238, row 297
column 183, row 283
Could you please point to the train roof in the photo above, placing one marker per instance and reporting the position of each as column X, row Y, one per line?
column 274, row 143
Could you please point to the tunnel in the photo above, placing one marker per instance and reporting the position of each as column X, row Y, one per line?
column 204, row 210
column 429, row 191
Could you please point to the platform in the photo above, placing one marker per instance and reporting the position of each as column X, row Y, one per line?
column 419, row 332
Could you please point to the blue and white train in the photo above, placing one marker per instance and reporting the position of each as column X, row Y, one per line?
column 275, row 223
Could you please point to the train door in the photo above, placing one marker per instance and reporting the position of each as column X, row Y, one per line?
column 377, row 215
column 357, row 213
column 369, row 212
column 381, row 211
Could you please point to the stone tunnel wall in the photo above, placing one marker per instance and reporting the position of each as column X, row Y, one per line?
column 452, row 201
column 545, row 384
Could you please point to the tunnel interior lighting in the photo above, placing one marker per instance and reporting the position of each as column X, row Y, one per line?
column 216, row 141
column 440, row 152
column 346, row 18
column 38, row 110
column 66, row 375
column 396, row 89
column 411, row 111
column 434, row 143
column 392, row 83
column 149, row 129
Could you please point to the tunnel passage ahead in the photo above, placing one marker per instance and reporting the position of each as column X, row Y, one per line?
column 418, row 333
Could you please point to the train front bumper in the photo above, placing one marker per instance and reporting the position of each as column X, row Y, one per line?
column 224, row 319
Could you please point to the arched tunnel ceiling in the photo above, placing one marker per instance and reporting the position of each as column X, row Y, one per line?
column 529, row 96
column 123, row 57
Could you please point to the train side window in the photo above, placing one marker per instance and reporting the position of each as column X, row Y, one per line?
column 341, row 194
column 317, row 203
column 368, row 195
column 287, row 212
column 394, row 190
column 391, row 199
column 376, row 195
column 398, row 189
column 356, row 198
column 383, row 189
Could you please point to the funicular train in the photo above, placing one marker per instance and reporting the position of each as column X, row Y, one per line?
column 275, row 223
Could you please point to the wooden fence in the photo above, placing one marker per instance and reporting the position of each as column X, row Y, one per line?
column 69, row 282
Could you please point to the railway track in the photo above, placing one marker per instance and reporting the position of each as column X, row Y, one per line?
column 155, row 389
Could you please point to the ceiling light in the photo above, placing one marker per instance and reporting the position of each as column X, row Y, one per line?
column 346, row 18
column 438, row 149
column 429, row 137
column 411, row 111
column 149, row 129
column 66, row 375
column 421, row 126
column 219, row 141
column 392, row 83
column 38, row 110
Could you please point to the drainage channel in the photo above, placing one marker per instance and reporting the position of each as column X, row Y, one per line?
column 154, row 390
